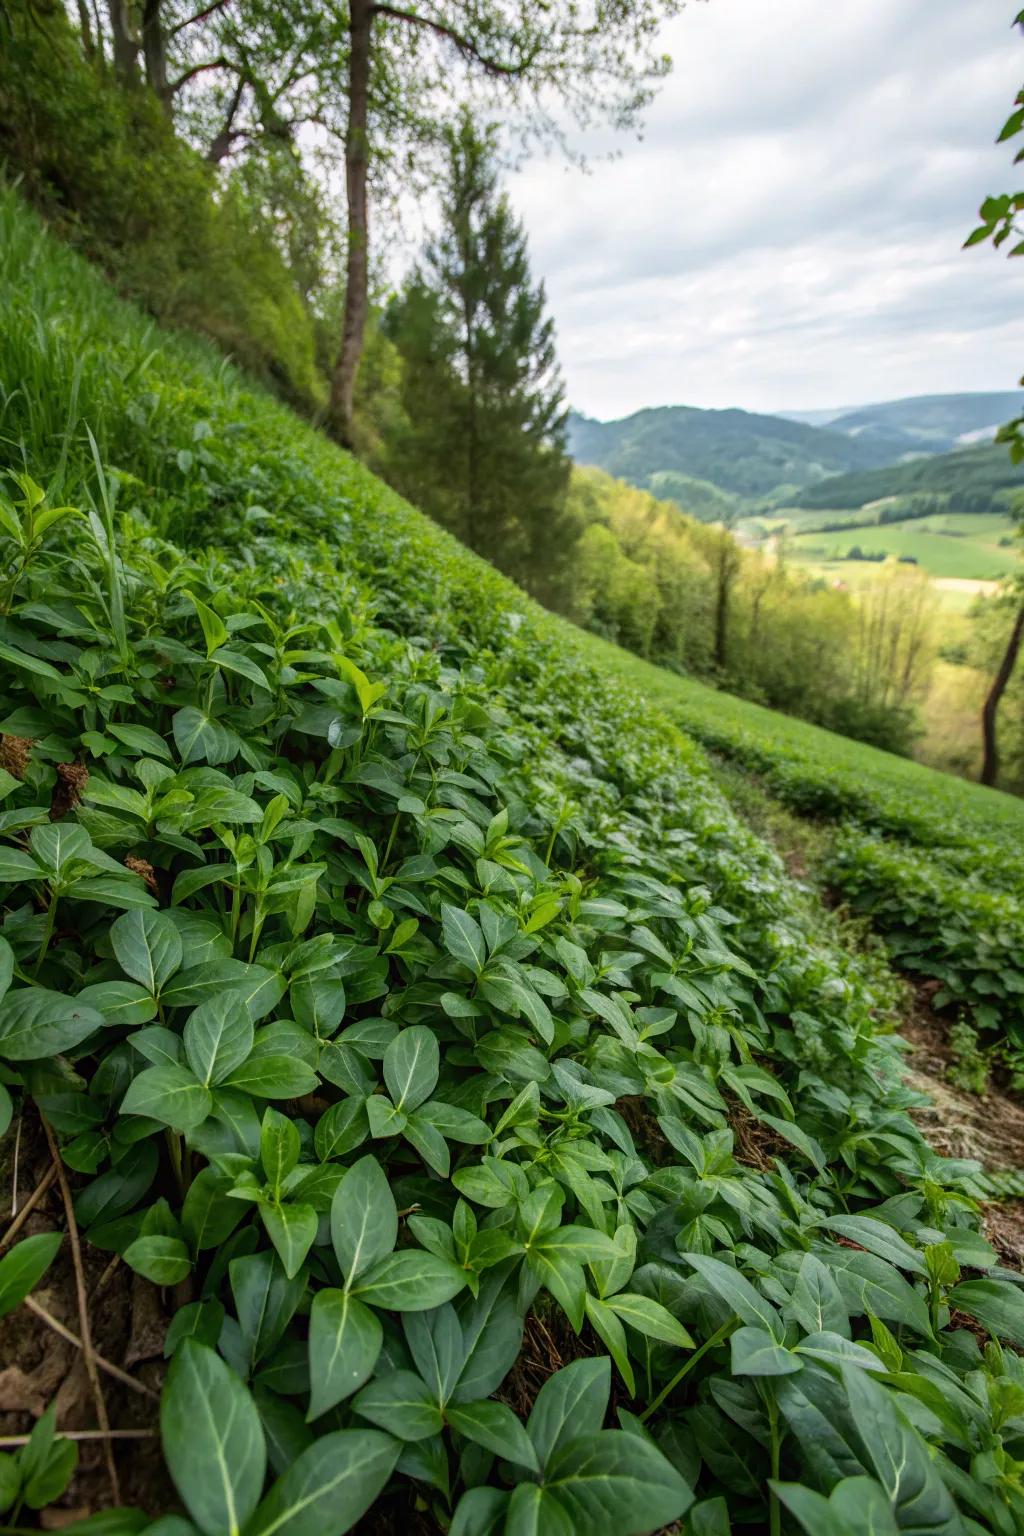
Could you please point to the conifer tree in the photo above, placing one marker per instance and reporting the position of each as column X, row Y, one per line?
column 484, row 446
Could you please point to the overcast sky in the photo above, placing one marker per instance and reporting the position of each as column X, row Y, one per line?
column 787, row 234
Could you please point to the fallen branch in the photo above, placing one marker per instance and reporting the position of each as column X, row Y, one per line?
column 7, row 1441
column 105, row 1365
column 30, row 1204
column 88, row 1354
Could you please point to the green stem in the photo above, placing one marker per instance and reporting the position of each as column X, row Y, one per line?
column 174, row 1148
column 774, row 1508
column 716, row 1338
column 391, row 843
column 51, row 917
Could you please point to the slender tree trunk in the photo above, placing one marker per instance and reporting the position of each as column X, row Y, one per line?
column 126, row 49
column 722, row 607
column 154, row 52
column 88, row 45
column 343, row 379
column 990, row 762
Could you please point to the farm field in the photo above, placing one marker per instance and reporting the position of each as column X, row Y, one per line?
column 948, row 544
column 490, row 1133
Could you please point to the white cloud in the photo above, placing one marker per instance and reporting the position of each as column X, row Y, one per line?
column 788, row 231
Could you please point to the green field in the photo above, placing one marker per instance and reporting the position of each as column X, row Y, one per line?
column 947, row 544
column 496, row 1137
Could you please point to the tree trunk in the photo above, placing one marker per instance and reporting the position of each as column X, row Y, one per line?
column 990, row 762
column 724, row 583
column 154, row 52
column 343, row 379
column 88, row 46
column 126, row 49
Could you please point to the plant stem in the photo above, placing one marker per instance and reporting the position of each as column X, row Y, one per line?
column 716, row 1338
column 51, row 917
column 774, row 1509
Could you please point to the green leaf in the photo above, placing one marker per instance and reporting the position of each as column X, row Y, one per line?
column 572, row 1402
column 411, row 1066
column 650, row 1318
column 212, row 1440
column 6, row 967
column 736, row 1291
column 341, row 1129
column 403, row 1404
column 494, row 1426
column 273, row 1077
column 148, row 947
column 755, row 1353
column 817, row 1302
column 899, row 1457
column 872, row 1285
column 292, row 1229
column 279, row 1147
column 998, row 1305
column 24, row 1266
column 164, row 1260
column 345, row 1339
column 411, row 1281
column 462, row 938
column 218, row 1037
column 878, row 1238
column 26, row 663
column 616, row 1481
column 329, row 1487
column 364, row 1218
column 533, row 1511
column 208, row 1215
column 172, row 1095
column 36, row 1023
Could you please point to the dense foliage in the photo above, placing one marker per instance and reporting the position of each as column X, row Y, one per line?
column 936, row 863
column 983, row 479
column 236, row 258
column 399, row 979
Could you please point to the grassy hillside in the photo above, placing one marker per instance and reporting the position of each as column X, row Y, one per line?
column 741, row 452
column 412, row 1016
column 937, row 862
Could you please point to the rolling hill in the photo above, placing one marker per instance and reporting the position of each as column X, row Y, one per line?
column 979, row 479
column 921, row 423
column 741, row 452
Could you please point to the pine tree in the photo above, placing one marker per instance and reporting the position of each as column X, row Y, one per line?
column 484, row 446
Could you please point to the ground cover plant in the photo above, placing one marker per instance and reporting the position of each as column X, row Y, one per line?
column 937, row 863
column 394, row 983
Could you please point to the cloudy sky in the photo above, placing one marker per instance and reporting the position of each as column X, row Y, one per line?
column 787, row 234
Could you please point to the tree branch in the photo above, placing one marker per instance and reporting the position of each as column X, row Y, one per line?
column 209, row 10
column 227, row 134
column 197, row 69
column 465, row 45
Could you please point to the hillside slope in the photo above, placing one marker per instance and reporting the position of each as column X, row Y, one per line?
column 305, row 807
column 931, row 423
column 982, row 479
column 741, row 452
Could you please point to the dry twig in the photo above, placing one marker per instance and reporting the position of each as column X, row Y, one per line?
column 29, row 1206
column 104, row 1365
column 88, row 1354
column 7, row 1441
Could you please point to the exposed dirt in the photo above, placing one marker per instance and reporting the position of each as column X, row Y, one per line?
column 988, row 1127
column 548, row 1344
column 128, row 1319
